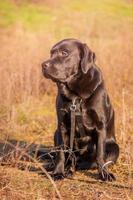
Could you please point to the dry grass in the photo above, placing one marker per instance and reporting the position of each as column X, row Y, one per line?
column 27, row 100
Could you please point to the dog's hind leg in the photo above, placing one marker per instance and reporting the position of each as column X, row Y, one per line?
column 107, row 153
column 110, row 157
column 111, row 150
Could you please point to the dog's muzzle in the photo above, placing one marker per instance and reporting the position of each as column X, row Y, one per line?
column 45, row 66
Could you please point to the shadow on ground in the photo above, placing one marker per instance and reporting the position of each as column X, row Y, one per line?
column 24, row 155
column 30, row 156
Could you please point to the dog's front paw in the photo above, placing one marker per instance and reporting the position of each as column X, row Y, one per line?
column 68, row 173
column 58, row 172
column 104, row 175
column 57, row 177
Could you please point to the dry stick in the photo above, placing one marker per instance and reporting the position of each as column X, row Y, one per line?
column 43, row 170
column 123, row 115
column 47, row 174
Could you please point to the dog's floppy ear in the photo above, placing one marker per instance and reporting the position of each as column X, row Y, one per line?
column 87, row 58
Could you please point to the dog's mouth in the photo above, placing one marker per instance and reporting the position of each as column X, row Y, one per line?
column 46, row 74
column 53, row 78
column 57, row 79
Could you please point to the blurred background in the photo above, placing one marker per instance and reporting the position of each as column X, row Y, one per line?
column 28, row 30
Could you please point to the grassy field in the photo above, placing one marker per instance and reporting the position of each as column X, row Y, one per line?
column 28, row 29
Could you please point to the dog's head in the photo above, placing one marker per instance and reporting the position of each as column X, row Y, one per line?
column 69, row 57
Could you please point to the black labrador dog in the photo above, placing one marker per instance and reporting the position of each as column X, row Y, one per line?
column 72, row 67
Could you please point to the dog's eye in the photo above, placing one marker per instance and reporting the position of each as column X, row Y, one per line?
column 64, row 53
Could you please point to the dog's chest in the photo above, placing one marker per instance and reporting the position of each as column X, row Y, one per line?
column 85, row 118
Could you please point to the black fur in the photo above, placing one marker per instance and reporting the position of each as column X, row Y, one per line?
column 72, row 66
